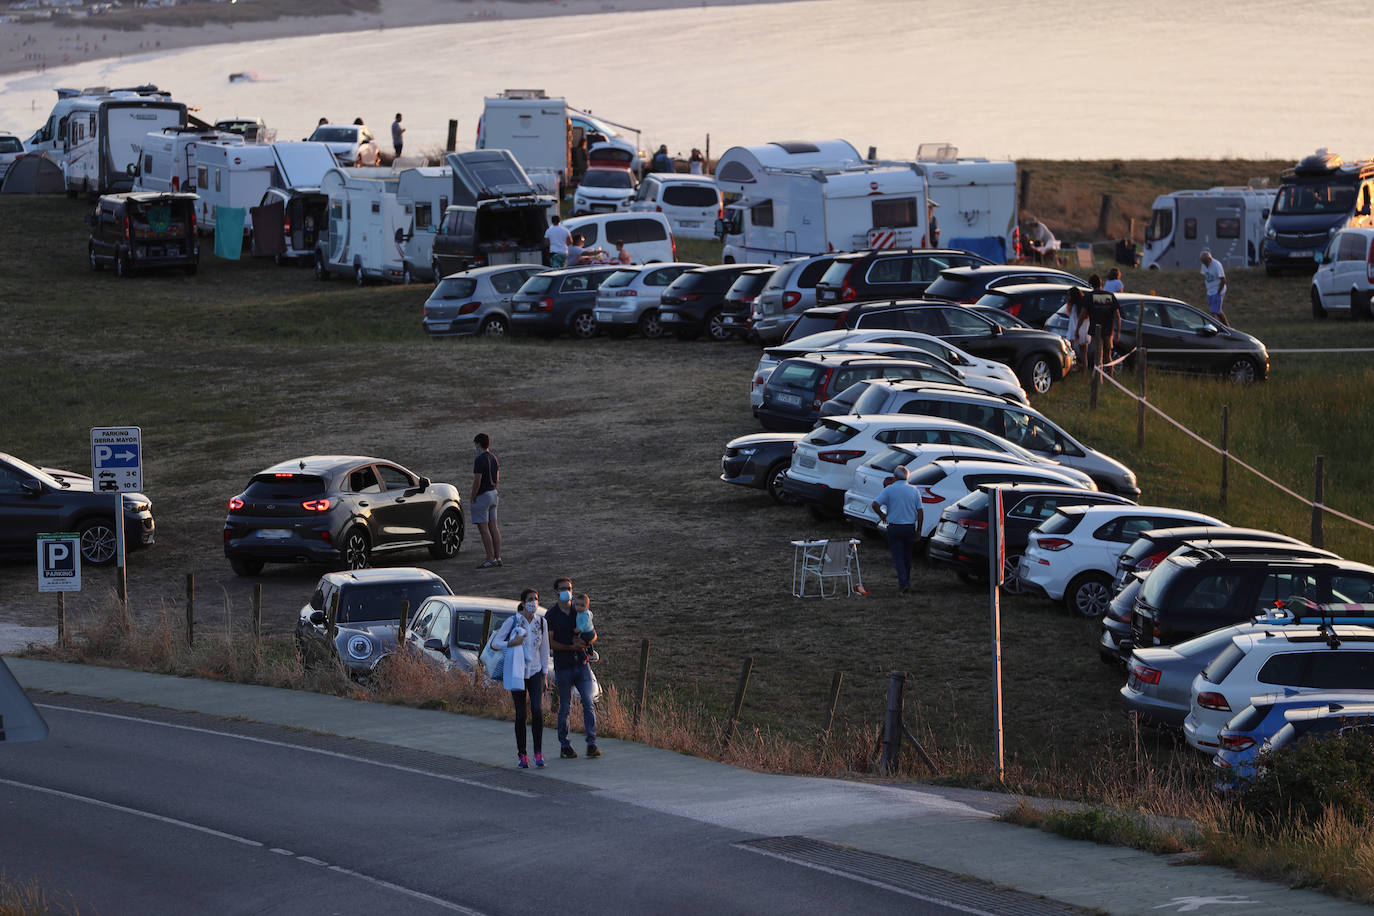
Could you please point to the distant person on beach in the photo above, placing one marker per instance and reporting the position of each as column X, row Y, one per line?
column 397, row 134
column 1114, row 284
column 661, row 162
column 557, row 237
column 696, row 163
column 369, row 153
column 1214, row 277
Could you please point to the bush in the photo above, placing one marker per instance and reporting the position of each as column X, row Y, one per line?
column 1300, row 781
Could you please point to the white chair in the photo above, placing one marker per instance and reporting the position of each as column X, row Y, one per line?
column 827, row 563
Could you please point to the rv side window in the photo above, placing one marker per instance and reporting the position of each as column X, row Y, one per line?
column 1190, row 228
column 202, row 177
column 218, row 173
column 422, row 215
column 762, row 214
column 147, row 163
column 895, row 213
column 376, row 205
column 1228, row 228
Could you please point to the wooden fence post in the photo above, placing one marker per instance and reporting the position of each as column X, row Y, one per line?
column 257, row 611
column 61, row 619
column 835, row 683
column 401, row 628
column 1318, row 499
column 1225, row 449
column 642, row 682
column 1103, row 214
column 738, row 704
column 1025, row 188
column 452, row 135
column 892, row 723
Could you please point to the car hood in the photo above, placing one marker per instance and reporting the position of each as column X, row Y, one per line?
column 80, row 482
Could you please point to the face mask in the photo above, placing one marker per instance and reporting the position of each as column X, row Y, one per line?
column 531, row 607
column 565, row 596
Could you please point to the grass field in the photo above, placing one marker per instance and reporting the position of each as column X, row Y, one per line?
column 610, row 453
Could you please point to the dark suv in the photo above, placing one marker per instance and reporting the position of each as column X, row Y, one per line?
column 693, row 303
column 1033, row 303
column 739, row 301
column 967, row 284
column 795, row 391
column 36, row 501
column 140, row 230
column 339, row 509
column 559, row 300
column 887, row 273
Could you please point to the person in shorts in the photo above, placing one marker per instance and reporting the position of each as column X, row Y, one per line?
column 486, row 474
column 1214, row 279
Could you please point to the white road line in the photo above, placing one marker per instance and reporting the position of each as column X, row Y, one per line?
column 295, row 747
column 419, row 895
column 862, row 880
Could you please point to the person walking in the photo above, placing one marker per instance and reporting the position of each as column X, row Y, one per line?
column 397, row 135
column 486, row 476
column 557, row 238
column 1104, row 312
column 1078, row 327
column 570, row 668
column 899, row 504
column 1214, row 278
column 525, row 639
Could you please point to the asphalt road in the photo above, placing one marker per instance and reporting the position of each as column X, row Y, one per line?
column 131, row 809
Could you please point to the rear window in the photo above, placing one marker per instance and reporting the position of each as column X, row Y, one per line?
column 285, row 486
column 928, row 475
column 807, row 325
column 1223, row 664
column 831, row 434
column 834, row 274
column 1059, row 523
column 949, row 287
column 690, row 280
column 747, row 285
column 537, row 284
column 620, row 278
column 607, row 178
column 455, row 288
column 796, row 375
column 975, row 501
column 872, row 400
column 889, row 459
column 690, row 196
column 382, row 601
column 10, row 145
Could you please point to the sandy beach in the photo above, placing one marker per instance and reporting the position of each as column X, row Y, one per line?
column 33, row 46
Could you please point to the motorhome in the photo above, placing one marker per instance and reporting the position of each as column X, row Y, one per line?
column 232, row 174
column 430, row 189
column 52, row 136
column 975, row 201
column 1319, row 196
column 496, row 215
column 801, row 198
column 104, row 137
column 169, row 157
column 368, row 226
column 1228, row 221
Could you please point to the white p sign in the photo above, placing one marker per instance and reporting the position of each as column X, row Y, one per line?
column 59, row 562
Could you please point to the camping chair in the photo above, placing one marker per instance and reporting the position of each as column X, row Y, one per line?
column 1084, row 253
column 827, row 562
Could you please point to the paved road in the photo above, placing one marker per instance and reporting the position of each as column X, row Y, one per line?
column 135, row 809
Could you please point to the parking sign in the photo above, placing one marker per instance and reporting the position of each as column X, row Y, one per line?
column 117, row 459
column 59, row 562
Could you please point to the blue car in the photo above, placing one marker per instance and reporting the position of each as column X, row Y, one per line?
column 1250, row 731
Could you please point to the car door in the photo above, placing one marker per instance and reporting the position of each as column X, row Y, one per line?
column 1154, row 335
column 1349, row 269
column 975, row 334
column 369, row 499
column 504, row 284
column 887, row 277
column 1188, row 330
column 27, row 508
column 412, row 508
column 435, row 626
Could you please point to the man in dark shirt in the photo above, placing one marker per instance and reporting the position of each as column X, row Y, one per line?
column 570, row 668
column 486, row 474
column 1104, row 317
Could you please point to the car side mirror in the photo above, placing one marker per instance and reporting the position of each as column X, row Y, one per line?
column 316, row 618
column 996, row 330
column 424, row 483
column 436, row 645
column 1319, row 257
column 1208, row 330
column 317, row 601
column 31, row 487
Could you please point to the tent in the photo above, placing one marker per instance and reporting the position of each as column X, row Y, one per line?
column 34, row 173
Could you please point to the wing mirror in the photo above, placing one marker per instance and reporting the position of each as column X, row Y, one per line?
column 436, row 645
column 424, row 483
column 1208, row 330
column 317, row 600
column 316, row 618
column 1319, row 257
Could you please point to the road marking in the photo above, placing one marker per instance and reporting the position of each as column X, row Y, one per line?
column 418, row 895
column 295, row 747
column 862, row 880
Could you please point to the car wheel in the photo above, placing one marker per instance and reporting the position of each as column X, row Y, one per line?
column 650, row 327
column 1011, row 575
column 776, row 472
column 1242, row 371
column 495, row 326
column 123, row 268
column 358, row 277
column 1037, row 373
column 357, row 551
column 95, row 262
column 715, row 326
column 1359, row 304
column 1089, row 594
column 1318, row 310
column 98, row 545
column 321, row 273
column 448, row 538
column 242, row 566
column 407, row 277
column 583, row 326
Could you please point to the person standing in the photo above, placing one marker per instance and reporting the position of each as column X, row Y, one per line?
column 899, row 504
column 662, row 162
column 622, row 254
column 1104, row 312
column 557, row 237
column 1214, row 277
column 1114, row 284
column 525, row 638
column 397, row 134
column 1078, row 327
column 486, row 476
column 570, row 668
column 697, row 162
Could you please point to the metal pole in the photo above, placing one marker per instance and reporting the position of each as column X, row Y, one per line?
column 1318, row 499
column 61, row 619
column 996, row 569
column 1225, row 450
column 1140, row 405
column 452, row 135
column 738, row 704
column 257, row 611
column 835, row 683
column 642, row 690
column 892, row 723
column 1103, row 214
column 121, row 574
column 190, row 609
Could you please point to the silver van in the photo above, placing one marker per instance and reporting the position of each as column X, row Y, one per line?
column 789, row 292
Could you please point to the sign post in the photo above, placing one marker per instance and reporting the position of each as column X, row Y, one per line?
column 117, row 467
column 996, row 570
column 59, row 562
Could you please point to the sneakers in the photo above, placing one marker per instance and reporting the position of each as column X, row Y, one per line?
column 524, row 763
column 488, row 564
column 593, row 751
column 539, row 760
column 567, row 753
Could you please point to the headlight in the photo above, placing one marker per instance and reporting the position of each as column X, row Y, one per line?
column 135, row 502
column 359, row 646
column 1270, row 233
column 745, row 452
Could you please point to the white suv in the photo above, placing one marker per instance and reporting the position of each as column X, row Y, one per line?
column 1293, row 658
column 627, row 300
column 1345, row 275
column 692, row 203
column 1071, row 556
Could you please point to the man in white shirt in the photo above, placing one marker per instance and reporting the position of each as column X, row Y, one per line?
column 1214, row 276
column 558, row 238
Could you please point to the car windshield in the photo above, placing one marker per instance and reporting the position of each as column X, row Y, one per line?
column 454, row 288
column 607, row 178
column 872, row 400
column 383, row 600
column 10, row 145
column 334, row 134
column 26, row 468
column 285, row 486
column 834, row 274
column 1315, row 198
column 620, row 278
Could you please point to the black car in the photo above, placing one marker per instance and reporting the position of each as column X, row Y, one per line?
column 739, row 300
column 888, row 273
column 693, row 303
column 1153, row 546
column 558, row 301
column 968, row 284
column 353, row 616
column 140, row 230
column 36, row 501
column 815, row 321
column 339, row 509
column 796, row 389
column 759, row 460
column 960, row 539
column 1033, row 303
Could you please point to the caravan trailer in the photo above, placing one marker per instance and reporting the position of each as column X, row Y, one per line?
column 429, row 188
column 1228, row 221
column 975, row 201
column 169, row 158
column 104, row 141
column 368, row 226
column 790, row 199
column 232, row 174
column 1316, row 198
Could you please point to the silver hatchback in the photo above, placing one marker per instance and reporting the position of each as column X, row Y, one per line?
column 628, row 300
column 790, row 291
column 475, row 301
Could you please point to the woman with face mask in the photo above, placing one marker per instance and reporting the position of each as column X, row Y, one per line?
column 525, row 639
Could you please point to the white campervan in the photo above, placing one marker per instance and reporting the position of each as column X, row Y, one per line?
column 169, row 157
column 1228, row 221
column 368, row 226
column 230, row 174
column 51, row 138
column 975, row 201
column 534, row 127
column 429, row 188
column 104, row 137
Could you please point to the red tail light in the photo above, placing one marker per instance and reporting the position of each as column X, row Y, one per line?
column 1016, row 241
column 1053, row 543
column 546, row 305
column 1231, row 742
column 1212, row 700
column 848, row 293
column 467, row 308
column 1151, row 561
column 658, row 209
column 317, row 505
column 690, row 297
column 193, row 221
column 324, row 536
column 286, row 226
column 840, row 456
column 1144, row 673
column 973, row 524
column 235, row 504
column 126, row 228
column 790, row 299
column 818, row 399
column 627, row 292
column 930, row 496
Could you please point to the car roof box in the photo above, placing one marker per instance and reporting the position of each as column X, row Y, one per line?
column 1321, row 161
column 488, row 174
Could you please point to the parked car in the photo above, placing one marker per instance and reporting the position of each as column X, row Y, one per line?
column 352, row 617
column 968, row 284
column 1344, row 280
column 738, row 308
column 603, row 190
column 1033, row 303
column 559, row 301
column 1072, row 555
column 692, row 203
column 844, row 402
column 43, row 500
column 1297, row 658
column 629, row 299
column 790, row 291
column 888, row 273
column 960, row 538
column 339, row 509
column 143, row 230
column 475, row 301
column 11, row 148
column 796, row 389
column 759, row 460
column 692, row 303
column 343, row 140
column 1150, row 549
column 1025, row 426
column 1252, row 731
column 647, row 236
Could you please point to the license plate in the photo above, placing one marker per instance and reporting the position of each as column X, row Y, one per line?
column 522, row 306
column 826, row 297
column 807, row 461
column 793, row 400
column 948, row 529
column 1303, row 254
column 273, row 534
column 691, row 223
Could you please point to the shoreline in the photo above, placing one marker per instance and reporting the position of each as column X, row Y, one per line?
column 33, row 47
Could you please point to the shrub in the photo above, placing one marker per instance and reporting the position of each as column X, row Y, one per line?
column 1300, row 781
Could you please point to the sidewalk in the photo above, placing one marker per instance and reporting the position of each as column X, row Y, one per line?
column 949, row 829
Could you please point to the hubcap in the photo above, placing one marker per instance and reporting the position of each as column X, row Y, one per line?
column 1092, row 599
column 355, row 553
column 1242, row 371
column 585, row 326
column 449, row 536
column 98, row 543
column 1041, row 379
column 494, row 328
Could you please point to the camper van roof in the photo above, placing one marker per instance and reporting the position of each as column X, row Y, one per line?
column 741, row 165
column 302, row 163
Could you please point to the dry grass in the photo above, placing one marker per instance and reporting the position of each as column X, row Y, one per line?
column 30, row 899
column 1335, row 854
